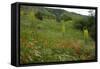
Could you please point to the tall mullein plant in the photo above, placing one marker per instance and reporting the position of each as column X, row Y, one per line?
column 86, row 36
column 31, row 16
column 63, row 28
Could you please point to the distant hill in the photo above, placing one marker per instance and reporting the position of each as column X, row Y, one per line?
column 53, row 13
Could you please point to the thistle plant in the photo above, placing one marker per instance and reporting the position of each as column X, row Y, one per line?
column 86, row 35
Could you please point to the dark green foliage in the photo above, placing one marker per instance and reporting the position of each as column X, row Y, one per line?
column 65, row 17
column 81, row 23
column 39, row 15
column 57, row 13
column 92, row 27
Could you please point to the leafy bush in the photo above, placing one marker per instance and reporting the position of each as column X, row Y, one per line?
column 80, row 24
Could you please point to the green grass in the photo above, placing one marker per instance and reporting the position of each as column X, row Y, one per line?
column 43, row 41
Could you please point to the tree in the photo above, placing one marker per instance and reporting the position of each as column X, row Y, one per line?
column 92, row 27
column 65, row 17
column 81, row 23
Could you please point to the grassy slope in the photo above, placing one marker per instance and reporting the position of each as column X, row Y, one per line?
column 43, row 41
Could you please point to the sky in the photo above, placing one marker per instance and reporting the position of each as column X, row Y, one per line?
column 79, row 11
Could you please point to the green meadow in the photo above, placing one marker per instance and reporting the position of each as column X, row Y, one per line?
column 53, row 35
